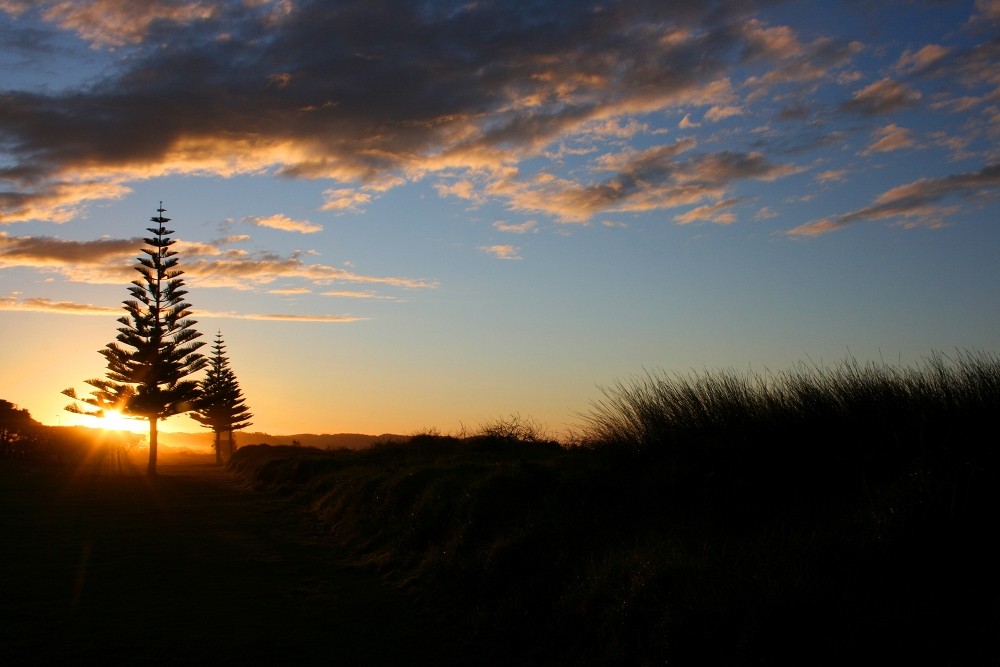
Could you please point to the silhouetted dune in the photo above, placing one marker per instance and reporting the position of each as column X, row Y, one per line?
column 806, row 518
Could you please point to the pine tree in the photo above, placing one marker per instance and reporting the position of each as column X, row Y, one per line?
column 221, row 406
column 156, row 347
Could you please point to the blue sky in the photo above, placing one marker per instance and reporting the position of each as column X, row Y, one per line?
column 411, row 215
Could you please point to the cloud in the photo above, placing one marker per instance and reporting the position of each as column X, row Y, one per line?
column 988, row 10
column 889, row 138
column 502, row 251
column 284, row 223
column 795, row 62
column 718, row 113
column 368, row 95
column 351, row 294
column 41, row 305
column 925, row 57
column 915, row 202
column 765, row 213
column 110, row 261
column 344, row 200
column 257, row 272
column 59, row 202
column 516, row 228
column 52, row 253
column 488, row 100
column 652, row 179
column 831, row 175
column 279, row 317
column 686, row 122
column 112, row 22
column 463, row 189
column 883, row 96
column 717, row 213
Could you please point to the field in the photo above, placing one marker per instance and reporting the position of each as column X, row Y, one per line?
column 811, row 517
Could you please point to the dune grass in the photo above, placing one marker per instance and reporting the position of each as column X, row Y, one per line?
column 809, row 516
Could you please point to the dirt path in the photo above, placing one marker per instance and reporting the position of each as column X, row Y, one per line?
column 188, row 567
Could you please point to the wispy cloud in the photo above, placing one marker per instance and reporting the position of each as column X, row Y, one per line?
column 355, row 294
column 502, row 251
column 43, row 305
column 921, row 59
column 889, row 138
column 516, row 228
column 279, row 317
column 882, row 97
column 110, row 261
column 345, row 200
column 831, row 175
column 284, row 223
column 719, row 213
column 915, row 202
column 651, row 179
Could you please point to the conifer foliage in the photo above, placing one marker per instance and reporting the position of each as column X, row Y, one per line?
column 155, row 349
column 221, row 406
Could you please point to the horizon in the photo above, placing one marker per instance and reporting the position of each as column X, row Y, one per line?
column 408, row 216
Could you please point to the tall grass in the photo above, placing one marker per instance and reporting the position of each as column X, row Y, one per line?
column 661, row 410
column 806, row 516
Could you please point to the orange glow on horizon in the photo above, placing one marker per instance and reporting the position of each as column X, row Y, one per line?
column 116, row 421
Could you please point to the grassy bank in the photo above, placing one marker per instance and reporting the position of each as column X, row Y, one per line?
column 812, row 516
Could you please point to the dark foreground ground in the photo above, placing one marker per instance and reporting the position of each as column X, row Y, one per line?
column 189, row 567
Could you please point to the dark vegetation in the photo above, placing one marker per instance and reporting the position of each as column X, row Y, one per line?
column 221, row 406
column 156, row 348
column 816, row 516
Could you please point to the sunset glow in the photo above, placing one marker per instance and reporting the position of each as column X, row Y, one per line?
column 116, row 421
column 425, row 215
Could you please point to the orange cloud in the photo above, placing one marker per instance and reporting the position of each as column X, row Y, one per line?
column 284, row 223
column 119, row 22
column 831, row 175
column 718, row 213
column 882, row 97
column 502, row 251
column 110, row 261
column 718, row 113
column 915, row 202
column 344, row 200
column 912, row 61
column 41, row 305
column 889, row 138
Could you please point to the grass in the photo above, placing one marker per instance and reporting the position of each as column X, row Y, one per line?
column 809, row 516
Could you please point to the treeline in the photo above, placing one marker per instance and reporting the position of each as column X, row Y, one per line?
column 23, row 438
column 807, row 517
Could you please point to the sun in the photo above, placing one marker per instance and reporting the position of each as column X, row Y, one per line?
column 116, row 421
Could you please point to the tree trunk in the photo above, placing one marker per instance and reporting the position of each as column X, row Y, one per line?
column 151, row 470
column 218, row 447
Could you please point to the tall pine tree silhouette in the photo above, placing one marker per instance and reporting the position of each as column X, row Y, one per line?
column 221, row 406
column 156, row 347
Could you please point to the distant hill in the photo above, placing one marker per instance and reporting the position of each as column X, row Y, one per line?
column 205, row 439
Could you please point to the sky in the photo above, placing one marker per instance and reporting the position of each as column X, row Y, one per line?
column 409, row 215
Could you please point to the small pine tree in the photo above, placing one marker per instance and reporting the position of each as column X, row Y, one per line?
column 156, row 347
column 221, row 406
